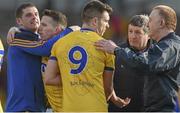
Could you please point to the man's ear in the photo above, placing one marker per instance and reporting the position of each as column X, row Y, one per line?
column 95, row 21
column 58, row 30
column 18, row 21
column 162, row 23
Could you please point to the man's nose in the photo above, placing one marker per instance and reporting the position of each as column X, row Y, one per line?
column 34, row 16
column 133, row 35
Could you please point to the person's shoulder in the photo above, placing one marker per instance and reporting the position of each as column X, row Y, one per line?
column 27, row 35
column 171, row 38
column 123, row 45
column 70, row 35
column 1, row 45
column 177, row 36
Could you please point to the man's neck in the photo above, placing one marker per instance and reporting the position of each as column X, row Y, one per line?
column 34, row 31
column 162, row 34
column 88, row 27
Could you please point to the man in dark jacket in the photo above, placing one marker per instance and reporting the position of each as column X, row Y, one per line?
column 161, row 62
column 127, row 82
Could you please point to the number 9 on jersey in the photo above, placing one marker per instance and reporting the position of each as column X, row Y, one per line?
column 81, row 62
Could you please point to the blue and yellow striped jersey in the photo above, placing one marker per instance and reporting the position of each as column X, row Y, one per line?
column 1, row 53
column 81, row 68
column 1, row 61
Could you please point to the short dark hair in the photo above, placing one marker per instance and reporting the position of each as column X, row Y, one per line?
column 140, row 21
column 19, row 10
column 93, row 9
column 57, row 16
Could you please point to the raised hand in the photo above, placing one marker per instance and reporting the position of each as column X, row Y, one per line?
column 11, row 34
column 106, row 46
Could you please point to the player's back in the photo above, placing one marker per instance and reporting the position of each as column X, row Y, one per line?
column 81, row 68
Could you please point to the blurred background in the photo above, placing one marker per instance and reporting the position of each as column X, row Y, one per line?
column 123, row 11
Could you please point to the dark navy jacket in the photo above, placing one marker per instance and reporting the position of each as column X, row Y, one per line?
column 128, row 82
column 25, row 90
column 161, row 63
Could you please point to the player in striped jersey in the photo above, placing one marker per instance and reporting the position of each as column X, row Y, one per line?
column 1, row 53
column 1, row 61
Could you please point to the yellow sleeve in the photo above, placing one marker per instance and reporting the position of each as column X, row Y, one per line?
column 109, row 62
column 1, row 46
column 53, row 52
column 1, row 53
column 1, row 110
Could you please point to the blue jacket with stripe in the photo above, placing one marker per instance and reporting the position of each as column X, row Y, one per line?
column 25, row 90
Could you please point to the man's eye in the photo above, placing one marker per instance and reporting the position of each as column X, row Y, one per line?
column 130, row 31
column 28, row 15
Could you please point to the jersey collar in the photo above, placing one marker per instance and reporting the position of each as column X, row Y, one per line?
column 86, row 29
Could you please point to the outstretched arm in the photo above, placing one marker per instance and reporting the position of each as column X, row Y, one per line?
column 159, row 57
column 39, row 48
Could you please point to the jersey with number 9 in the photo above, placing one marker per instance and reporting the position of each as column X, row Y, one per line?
column 81, row 67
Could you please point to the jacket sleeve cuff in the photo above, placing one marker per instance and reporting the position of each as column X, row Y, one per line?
column 115, row 50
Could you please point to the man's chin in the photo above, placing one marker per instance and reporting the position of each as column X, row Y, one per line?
column 35, row 29
column 150, row 35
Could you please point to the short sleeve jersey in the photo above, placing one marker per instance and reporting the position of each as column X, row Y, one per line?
column 81, row 67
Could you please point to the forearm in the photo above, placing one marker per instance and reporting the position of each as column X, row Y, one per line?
column 113, row 97
column 108, row 83
column 52, row 76
column 54, row 81
column 131, row 59
column 108, row 93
